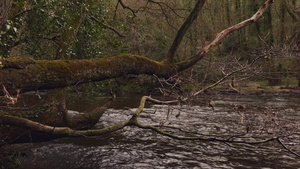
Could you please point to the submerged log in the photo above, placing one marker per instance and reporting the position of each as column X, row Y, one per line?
column 86, row 120
column 75, row 121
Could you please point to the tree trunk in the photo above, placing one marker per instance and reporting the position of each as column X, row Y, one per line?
column 266, row 28
column 29, row 75
column 297, row 42
column 253, row 30
column 5, row 6
column 297, row 47
column 282, row 29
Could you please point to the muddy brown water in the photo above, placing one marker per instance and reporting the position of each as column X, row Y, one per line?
column 132, row 147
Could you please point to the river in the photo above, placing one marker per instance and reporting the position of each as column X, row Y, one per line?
column 132, row 147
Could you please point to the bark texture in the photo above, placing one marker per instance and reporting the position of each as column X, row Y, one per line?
column 29, row 75
column 5, row 6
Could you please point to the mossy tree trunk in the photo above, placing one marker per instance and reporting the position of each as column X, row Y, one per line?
column 30, row 75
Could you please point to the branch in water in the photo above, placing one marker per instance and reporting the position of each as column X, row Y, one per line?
column 68, row 132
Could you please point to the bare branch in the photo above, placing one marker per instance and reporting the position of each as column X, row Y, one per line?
column 107, row 26
column 285, row 147
column 11, row 100
column 220, row 36
column 161, row 7
column 225, row 77
column 160, row 4
column 292, row 11
column 126, row 7
column 59, row 131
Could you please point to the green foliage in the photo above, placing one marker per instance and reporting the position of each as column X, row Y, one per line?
column 9, row 160
column 37, row 31
column 161, row 40
column 37, row 112
column 7, row 37
column 86, row 45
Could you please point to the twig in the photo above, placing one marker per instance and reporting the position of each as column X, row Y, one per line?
column 107, row 26
column 225, row 77
column 127, row 7
column 12, row 100
column 285, row 147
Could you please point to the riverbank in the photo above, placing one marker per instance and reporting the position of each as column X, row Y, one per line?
column 258, row 88
column 150, row 88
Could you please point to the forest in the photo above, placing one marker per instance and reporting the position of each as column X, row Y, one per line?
column 192, row 59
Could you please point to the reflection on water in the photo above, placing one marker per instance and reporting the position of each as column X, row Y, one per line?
column 137, row 148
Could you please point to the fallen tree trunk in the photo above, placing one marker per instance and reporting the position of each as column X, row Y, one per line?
column 29, row 75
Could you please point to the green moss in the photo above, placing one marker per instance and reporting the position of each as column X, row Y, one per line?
column 292, row 81
column 42, row 74
column 17, row 62
column 262, row 83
